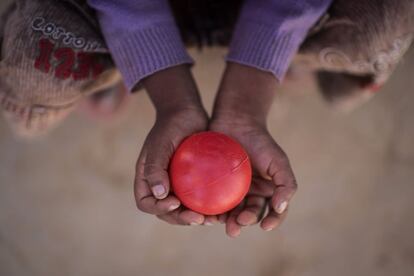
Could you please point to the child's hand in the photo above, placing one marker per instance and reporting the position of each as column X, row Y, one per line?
column 273, row 183
column 179, row 114
column 240, row 111
column 152, row 187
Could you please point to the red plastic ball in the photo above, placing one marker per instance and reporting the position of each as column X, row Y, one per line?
column 210, row 173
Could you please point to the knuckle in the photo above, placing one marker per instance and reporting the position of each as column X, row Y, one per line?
column 167, row 219
column 283, row 160
column 163, row 218
column 154, row 173
column 279, row 162
column 279, row 167
column 295, row 185
column 291, row 190
column 141, row 206
column 291, row 187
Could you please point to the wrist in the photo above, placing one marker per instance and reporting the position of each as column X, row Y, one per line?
column 191, row 109
column 173, row 90
column 185, row 120
column 245, row 95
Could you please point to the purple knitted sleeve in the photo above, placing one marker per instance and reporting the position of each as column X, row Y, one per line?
column 141, row 35
column 269, row 32
column 143, row 38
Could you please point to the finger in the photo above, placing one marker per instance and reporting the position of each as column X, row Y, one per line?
column 143, row 196
column 261, row 187
column 170, row 218
column 210, row 220
column 233, row 229
column 222, row 218
column 141, row 188
column 156, row 168
column 281, row 198
column 183, row 216
column 272, row 220
column 285, row 182
column 191, row 217
column 173, row 217
column 252, row 211
column 151, row 205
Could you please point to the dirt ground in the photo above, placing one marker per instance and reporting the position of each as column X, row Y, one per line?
column 67, row 208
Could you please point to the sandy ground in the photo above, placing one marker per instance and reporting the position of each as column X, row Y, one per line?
column 67, row 208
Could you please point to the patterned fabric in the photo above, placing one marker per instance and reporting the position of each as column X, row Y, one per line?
column 51, row 57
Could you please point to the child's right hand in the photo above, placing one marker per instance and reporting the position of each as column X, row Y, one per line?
column 241, row 108
column 273, row 184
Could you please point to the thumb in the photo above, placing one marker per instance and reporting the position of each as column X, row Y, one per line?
column 156, row 169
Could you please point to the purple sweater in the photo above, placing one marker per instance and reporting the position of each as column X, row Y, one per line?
column 143, row 38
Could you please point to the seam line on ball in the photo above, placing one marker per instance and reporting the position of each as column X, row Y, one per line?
column 186, row 193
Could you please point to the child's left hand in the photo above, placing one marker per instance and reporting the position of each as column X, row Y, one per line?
column 152, row 186
column 179, row 114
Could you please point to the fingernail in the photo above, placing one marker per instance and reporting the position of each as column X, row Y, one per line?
column 268, row 229
column 207, row 223
column 158, row 190
column 194, row 223
column 282, row 207
column 173, row 207
column 267, row 177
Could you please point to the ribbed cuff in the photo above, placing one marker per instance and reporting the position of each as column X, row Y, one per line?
column 141, row 53
column 265, row 48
